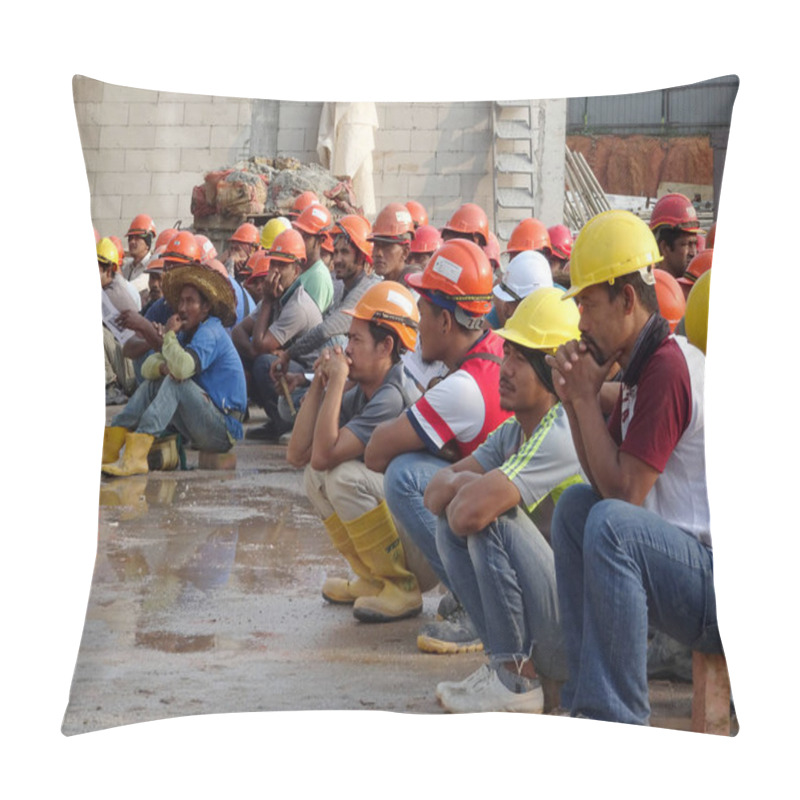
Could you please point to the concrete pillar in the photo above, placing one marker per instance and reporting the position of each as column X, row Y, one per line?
column 549, row 144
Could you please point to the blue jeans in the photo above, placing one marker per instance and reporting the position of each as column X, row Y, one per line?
column 404, row 484
column 505, row 578
column 267, row 394
column 156, row 405
column 619, row 567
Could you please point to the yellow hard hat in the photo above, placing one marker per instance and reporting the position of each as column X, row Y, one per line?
column 107, row 253
column 275, row 226
column 696, row 319
column 611, row 244
column 542, row 321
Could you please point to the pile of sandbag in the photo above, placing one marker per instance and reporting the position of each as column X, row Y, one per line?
column 262, row 186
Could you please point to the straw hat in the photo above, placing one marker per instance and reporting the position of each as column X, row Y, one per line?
column 214, row 286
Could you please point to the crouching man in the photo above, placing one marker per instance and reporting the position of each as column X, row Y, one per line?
column 194, row 385
column 494, row 510
column 633, row 547
column 331, row 431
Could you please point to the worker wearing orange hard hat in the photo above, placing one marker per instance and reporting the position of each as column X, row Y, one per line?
column 313, row 225
column 391, row 237
column 240, row 246
column 469, row 221
column 454, row 416
column 332, row 429
column 419, row 216
column 425, row 243
column 141, row 237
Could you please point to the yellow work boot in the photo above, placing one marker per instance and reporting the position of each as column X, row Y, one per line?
column 113, row 439
column 133, row 460
column 377, row 543
column 341, row 590
column 163, row 454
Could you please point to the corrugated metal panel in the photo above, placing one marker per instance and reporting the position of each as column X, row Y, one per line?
column 697, row 108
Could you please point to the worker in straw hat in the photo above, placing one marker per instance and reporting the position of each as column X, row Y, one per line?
column 633, row 547
column 195, row 384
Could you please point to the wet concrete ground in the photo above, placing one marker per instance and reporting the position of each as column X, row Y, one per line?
column 206, row 599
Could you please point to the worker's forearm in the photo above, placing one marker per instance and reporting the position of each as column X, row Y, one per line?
column 326, row 429
column 298, row 453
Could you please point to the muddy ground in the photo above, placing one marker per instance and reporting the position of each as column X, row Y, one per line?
column 205, row 599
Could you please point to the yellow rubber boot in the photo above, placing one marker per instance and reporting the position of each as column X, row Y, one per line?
column 379, row 547
column 133, row 460
column 340, row 590
column 113, row 439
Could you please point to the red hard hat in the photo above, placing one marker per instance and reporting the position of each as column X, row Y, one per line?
column 183, row 249
column 427, row 239
column 288, row 246
column 560, row 241
column 419, row 215
column 246, row 233
column 712, row 232
column 302, row 202
column 357, row 229
column 314, row 220
column 530, row 234
column 207, row 248
column 393, row 224
column 675, row 210
column 492, row 250
column 142, row 225
column 469, row 218
column 671, row 302
column 460, row 270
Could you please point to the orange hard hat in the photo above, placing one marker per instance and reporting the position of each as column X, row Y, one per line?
column 314, row 220
column 141, row 226
column 257, row 265
column 246, row 233
column 427, row 239
column 560, row 241
column 302, row 202
column 460, row 271
column 357, row 229
column 674, row 210
column 183, row 249
column 165, row 237
column 697, row 266
column 471, row 219
column 327, row 241
column 419, row 216
column 390, row 305
column 671, row 302
column 288, row 246
column 530, row 234
column 393, row 224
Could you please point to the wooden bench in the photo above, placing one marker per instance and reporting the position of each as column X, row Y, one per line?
column 711, row 694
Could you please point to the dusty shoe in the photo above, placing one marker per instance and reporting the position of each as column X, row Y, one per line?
column 448, row 605
column 668, row 659
column 163, row 453
column 390, row 604
column 344, row 592
column 449, row 636
column 448, row 687
column 489, row 693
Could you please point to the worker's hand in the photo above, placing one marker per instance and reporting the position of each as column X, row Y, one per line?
column 280, row 366
column 132, row 320
column 576, row 373
column 174, row 323
column 294, row 380
column 336, row 365
column 272, row 289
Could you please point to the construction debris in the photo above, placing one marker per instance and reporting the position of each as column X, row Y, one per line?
column 261, row 187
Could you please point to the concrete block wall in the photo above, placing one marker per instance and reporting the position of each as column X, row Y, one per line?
column 145, row 150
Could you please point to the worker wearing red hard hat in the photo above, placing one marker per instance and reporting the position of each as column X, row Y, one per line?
column 675, row 225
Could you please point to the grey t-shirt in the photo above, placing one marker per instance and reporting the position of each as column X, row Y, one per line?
column 541, row 467
column 296, row 316
column 361, row 416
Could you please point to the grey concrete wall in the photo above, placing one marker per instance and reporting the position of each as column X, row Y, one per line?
column 146, row 150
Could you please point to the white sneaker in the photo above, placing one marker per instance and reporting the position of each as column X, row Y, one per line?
column 490, row 694
column 458, row 687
